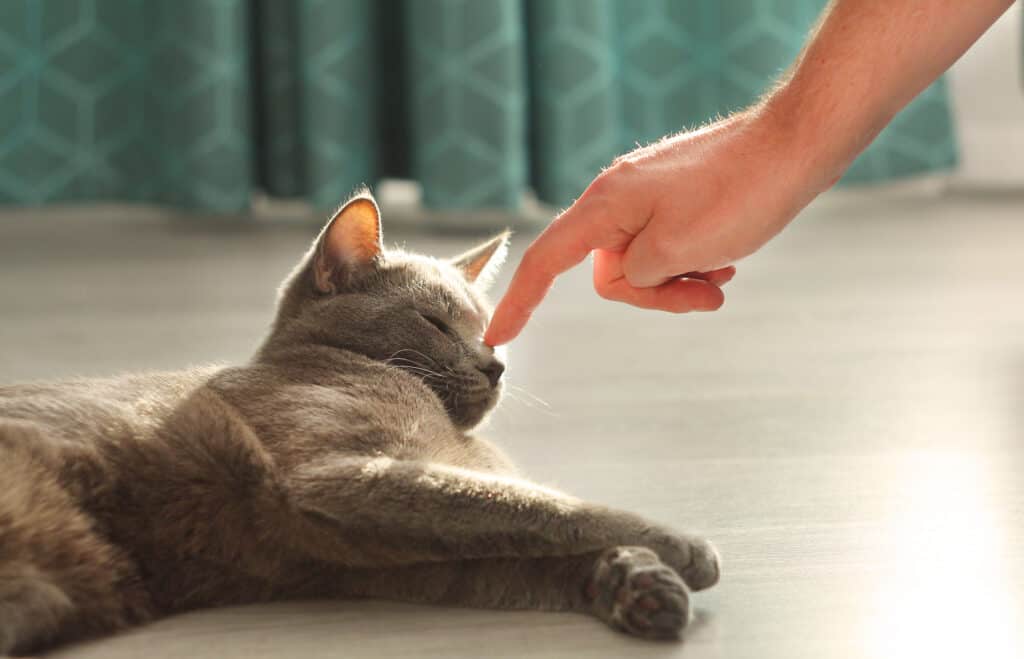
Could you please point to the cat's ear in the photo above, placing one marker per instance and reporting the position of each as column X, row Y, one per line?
column 351, row 240
column 480, row 264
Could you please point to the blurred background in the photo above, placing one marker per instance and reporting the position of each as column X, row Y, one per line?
column 218, row 105
column 847, row 429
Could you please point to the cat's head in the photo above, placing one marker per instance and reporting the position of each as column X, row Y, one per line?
column 423, row 315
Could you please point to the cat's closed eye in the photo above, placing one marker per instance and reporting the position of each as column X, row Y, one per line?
column 438, row 323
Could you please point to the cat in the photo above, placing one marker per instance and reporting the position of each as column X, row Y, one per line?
column 340, row 462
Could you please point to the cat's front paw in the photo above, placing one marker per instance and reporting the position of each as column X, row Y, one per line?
column 705, row 566
column 633, row 591
column 695, row 559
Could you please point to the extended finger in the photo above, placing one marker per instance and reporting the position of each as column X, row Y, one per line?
column 562, row 245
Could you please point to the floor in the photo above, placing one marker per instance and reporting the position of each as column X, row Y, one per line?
column 849, row 428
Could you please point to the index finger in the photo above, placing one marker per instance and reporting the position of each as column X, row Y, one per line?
column 562, row 245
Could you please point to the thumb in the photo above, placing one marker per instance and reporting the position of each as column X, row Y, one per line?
column 650, row 260
column 653, row 258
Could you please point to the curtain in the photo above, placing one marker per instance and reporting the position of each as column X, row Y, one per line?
column 199, row 103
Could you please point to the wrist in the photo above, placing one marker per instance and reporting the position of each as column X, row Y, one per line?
column 822, row 132
column 798, row 160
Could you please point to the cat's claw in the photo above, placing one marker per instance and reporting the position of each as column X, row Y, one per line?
column 634, row 592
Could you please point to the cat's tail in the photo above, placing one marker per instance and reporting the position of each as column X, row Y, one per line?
column 59, row 580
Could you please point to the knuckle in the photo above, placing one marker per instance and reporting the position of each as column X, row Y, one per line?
column 611, row 180
column 623, row 166
column 600, row 186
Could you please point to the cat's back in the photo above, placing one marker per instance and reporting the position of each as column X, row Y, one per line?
column 87, row 408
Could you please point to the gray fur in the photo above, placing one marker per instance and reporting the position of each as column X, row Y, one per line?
column 339, row 462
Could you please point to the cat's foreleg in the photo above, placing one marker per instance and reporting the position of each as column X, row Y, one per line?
column 628, row 588
column 393, row 512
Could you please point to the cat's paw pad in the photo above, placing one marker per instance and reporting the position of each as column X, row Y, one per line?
column 705, row 566
column 633, row 591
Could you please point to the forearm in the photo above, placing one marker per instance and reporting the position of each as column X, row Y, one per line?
column 700, row 200
column 866, row 60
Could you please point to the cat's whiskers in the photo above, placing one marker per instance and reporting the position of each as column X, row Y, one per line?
column 454, row 387
column 429, row 359
column 412, row 366
column 517, row 393
column 525, row 391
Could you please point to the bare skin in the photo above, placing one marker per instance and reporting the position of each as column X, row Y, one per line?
column 665, row 222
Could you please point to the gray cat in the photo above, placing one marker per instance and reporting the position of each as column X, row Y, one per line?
column 338, row 463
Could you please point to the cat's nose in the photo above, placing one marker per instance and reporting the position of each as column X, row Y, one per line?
column 493, row 370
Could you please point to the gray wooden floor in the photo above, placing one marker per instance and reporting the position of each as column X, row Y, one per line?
column 849, row 428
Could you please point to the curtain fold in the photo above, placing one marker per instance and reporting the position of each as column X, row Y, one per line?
column 468, row 104
column 199, row 103
column 577, row 110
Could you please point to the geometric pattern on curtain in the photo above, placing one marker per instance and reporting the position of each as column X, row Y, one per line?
column 197, row 103
column 676, row 64
column 142, row 101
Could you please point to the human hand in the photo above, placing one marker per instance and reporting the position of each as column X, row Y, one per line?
column 665, row 221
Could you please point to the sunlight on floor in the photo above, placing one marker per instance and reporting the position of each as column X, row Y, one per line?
column 947, row 595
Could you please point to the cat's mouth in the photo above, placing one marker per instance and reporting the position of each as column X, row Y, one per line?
column 466, row 397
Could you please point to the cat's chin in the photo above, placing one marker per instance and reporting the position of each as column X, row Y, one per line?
column 469, row 412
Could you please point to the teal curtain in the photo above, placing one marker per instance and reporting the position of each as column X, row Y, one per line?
column 115, row 99
column 199, row 103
